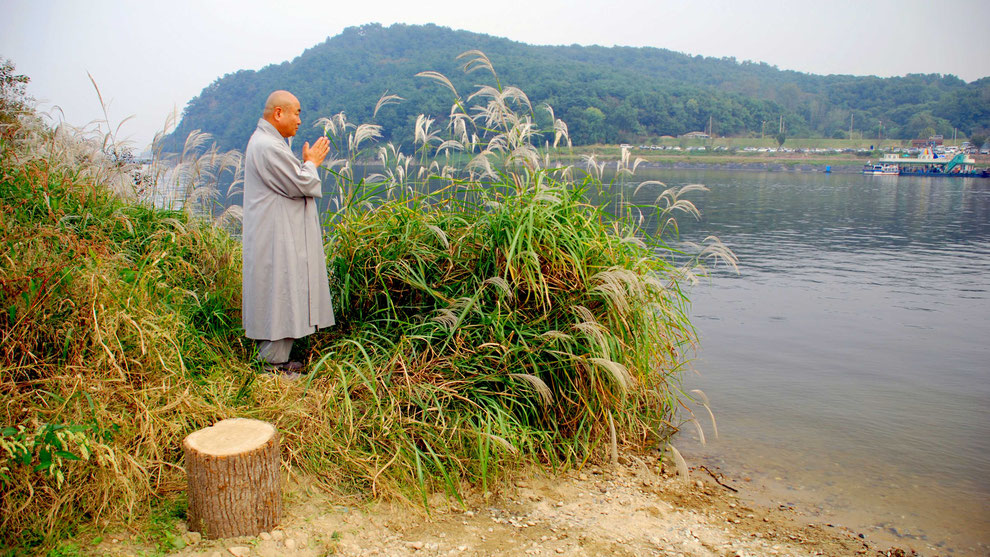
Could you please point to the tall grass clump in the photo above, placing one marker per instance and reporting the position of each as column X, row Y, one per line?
column 494, row 309
column 492, row 312
column 118, row 333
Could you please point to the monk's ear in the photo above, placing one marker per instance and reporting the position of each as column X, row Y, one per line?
column 277, row 112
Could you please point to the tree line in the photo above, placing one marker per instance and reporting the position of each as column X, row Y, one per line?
column 606, row 95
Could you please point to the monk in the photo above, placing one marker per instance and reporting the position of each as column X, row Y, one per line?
column 286, row 292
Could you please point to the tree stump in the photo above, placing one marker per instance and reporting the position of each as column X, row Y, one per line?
column 232, row 469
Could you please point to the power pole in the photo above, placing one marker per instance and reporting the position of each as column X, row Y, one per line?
column 780, row 128
column 850, row 124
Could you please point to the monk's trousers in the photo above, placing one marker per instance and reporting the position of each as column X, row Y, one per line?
column 275, row 351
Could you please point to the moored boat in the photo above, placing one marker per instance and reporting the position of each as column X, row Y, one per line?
column 930, row 163
column 884, row 169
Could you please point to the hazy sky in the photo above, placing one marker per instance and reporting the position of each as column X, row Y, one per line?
column 150, row 56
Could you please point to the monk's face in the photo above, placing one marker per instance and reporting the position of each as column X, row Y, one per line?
column 286, row 117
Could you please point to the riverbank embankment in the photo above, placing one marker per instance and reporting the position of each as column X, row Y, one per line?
column 769, row 161
column 631, row 509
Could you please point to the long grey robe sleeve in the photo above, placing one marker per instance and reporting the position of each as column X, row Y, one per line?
column 286, row 291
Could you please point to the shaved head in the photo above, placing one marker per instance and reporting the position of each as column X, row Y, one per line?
column 279, row 99
column 282, row 111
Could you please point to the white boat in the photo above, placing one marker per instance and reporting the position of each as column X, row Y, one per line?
column 884, row 169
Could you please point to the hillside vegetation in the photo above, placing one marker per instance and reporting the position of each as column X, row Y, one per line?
column 606, row 95
column 489, row 315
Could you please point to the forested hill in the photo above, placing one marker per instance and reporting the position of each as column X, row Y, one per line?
column 617, row 94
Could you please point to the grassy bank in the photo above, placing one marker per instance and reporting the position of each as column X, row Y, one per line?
column 489, row 316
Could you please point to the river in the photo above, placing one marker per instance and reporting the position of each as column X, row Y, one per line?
column 847, row 363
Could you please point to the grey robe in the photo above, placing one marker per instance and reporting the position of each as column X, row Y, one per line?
column 286, row 293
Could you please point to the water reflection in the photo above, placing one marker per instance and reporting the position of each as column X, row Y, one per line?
column 847, row 361
column 848, row 358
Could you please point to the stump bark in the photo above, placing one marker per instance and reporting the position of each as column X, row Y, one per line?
column 232, row 470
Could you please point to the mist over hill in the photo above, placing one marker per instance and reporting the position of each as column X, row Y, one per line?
column 606, row 95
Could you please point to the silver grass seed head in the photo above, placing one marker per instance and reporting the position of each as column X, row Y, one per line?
column 584, row 314
column 476, row 60
column 636, row 163
column 679, row 462
column 363, row 133
column 441, row 79
column 386, row 100
column 555, row 335
column 647, row 183
column 500, row 284
column 480, row 163
column 440, row 234
column 451, row 145
column 618, row 372
column 446, row 317
column 537, row 384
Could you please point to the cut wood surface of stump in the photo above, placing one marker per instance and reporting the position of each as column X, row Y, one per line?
column 233, row 472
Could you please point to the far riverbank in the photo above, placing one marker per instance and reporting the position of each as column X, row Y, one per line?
column 772, row 161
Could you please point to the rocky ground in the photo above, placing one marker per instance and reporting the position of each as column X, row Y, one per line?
column 632, row 509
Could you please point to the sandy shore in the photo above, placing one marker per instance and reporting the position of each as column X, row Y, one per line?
column 632, row 509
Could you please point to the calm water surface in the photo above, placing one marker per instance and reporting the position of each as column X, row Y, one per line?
column 848, row 363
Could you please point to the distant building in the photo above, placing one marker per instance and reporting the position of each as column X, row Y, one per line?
column 695, row 135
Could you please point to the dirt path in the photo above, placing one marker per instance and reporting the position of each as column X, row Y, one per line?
column 626, row 511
